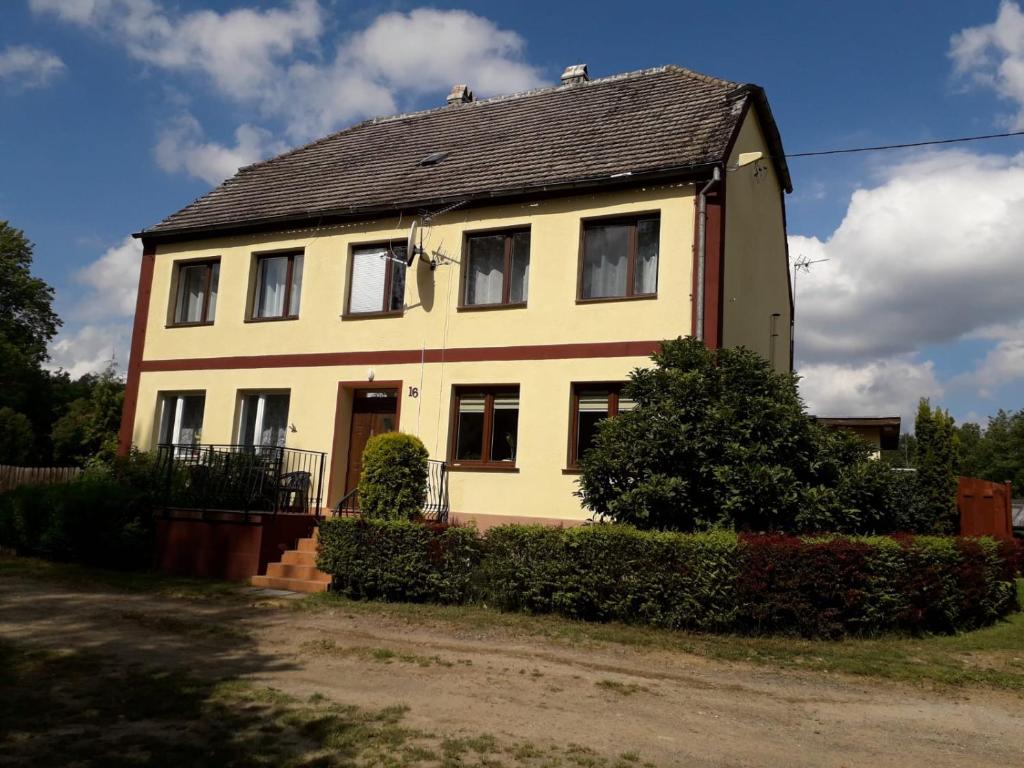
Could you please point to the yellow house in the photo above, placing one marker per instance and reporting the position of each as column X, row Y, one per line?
column 484, row 275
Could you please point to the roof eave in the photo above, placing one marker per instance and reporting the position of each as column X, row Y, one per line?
column 326, row 217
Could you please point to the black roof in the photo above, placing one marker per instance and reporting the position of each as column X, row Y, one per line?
column 643, row 124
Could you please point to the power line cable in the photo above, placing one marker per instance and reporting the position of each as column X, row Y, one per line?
column 910, row 145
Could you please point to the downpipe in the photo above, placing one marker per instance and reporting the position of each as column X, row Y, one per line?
column 702, row 226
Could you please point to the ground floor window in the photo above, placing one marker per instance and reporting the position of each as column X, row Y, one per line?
column 181, row 418
column 592, row 404
column 485, row 431
column 263, row 419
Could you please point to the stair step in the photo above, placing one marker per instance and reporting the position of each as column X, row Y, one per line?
column 295, row 585
column 307, row 545
column 305, row 572
column 297, row 557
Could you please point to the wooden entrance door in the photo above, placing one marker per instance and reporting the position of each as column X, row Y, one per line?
column 374, row 412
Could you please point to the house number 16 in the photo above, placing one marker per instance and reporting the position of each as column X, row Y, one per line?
column 414, row 391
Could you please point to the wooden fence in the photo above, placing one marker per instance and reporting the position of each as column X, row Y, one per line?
column 985, row 508
column 12, row 477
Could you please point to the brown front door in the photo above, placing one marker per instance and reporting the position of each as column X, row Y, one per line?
column 373, row 413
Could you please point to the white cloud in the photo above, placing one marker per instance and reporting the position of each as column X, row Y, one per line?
column 928, row 256
column 878, row 388
column 992, row 55
column 106, row 308
column 90, row 348
column 1003, row 363
column 274, row 60
column 113, row 280
column 29, row 67
column 182, row 148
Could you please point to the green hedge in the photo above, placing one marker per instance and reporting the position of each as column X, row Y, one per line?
column 95, row 520
column 825, row 587
column 399, row 560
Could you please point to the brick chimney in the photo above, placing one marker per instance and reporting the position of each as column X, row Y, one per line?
column 575, row 74
column 460, row 94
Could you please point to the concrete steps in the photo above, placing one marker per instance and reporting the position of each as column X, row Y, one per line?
column 296, row 570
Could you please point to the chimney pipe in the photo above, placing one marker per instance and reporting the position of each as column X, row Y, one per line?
column 575, row 74
column 460, row 94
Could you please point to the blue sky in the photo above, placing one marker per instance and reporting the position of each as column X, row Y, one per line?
column 118, row 112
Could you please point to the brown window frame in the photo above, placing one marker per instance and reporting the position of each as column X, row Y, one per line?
column 632, row 220
column 614, row 393
column 348, row 314
column 506, row 275
column 484, row 463
column 179, row 266
column 287, row 309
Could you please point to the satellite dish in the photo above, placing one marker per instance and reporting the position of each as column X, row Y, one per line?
column 411, row 250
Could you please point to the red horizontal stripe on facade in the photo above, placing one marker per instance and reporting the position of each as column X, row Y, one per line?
column 400, row 356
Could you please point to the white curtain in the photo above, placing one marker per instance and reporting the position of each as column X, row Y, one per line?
column 520, row 285
column 605, row 259
column 273, row 272
column 214, row 282
column 645, row 275
column 485, row 280
column 369, row 267
column 296, row 286
column 191, row 287
column 275, row 420
column 188, row 419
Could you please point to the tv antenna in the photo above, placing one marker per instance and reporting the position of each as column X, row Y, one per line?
column 803, row 264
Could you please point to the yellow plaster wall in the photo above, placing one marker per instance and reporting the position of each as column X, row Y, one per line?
column 756, row 269
column 431, row 320
column 538, row 489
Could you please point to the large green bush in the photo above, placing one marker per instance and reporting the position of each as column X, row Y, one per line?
column 393, row 484
column 719, row 439
column 718, row 581
column 398, row 559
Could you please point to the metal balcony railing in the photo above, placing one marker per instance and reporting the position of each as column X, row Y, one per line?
column 241, row 478
column 435, row 506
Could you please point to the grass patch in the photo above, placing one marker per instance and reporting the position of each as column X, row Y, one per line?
column 991, row 657
column 79, row 576
column 382, row 655
column 189, row 627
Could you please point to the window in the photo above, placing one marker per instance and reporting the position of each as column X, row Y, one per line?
column 195, row 300
column 486, row 426
column 264, row 419
column 181, row 419
column 278, row 286
column 620, row 258
column 592, row 404
column 377, row 280
column 497, row 268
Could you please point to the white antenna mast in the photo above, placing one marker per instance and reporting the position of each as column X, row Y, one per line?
column 803, row 264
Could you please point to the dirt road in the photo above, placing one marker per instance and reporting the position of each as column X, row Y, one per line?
column 670, row 709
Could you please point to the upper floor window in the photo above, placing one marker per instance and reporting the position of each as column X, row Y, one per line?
column 278, row 286
column 620, row 258
column 485, row 432
column 592, row 404
column 181, row 418
column 264, row 419
column 497, row 268
column 376, row 280
column 195, row 298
